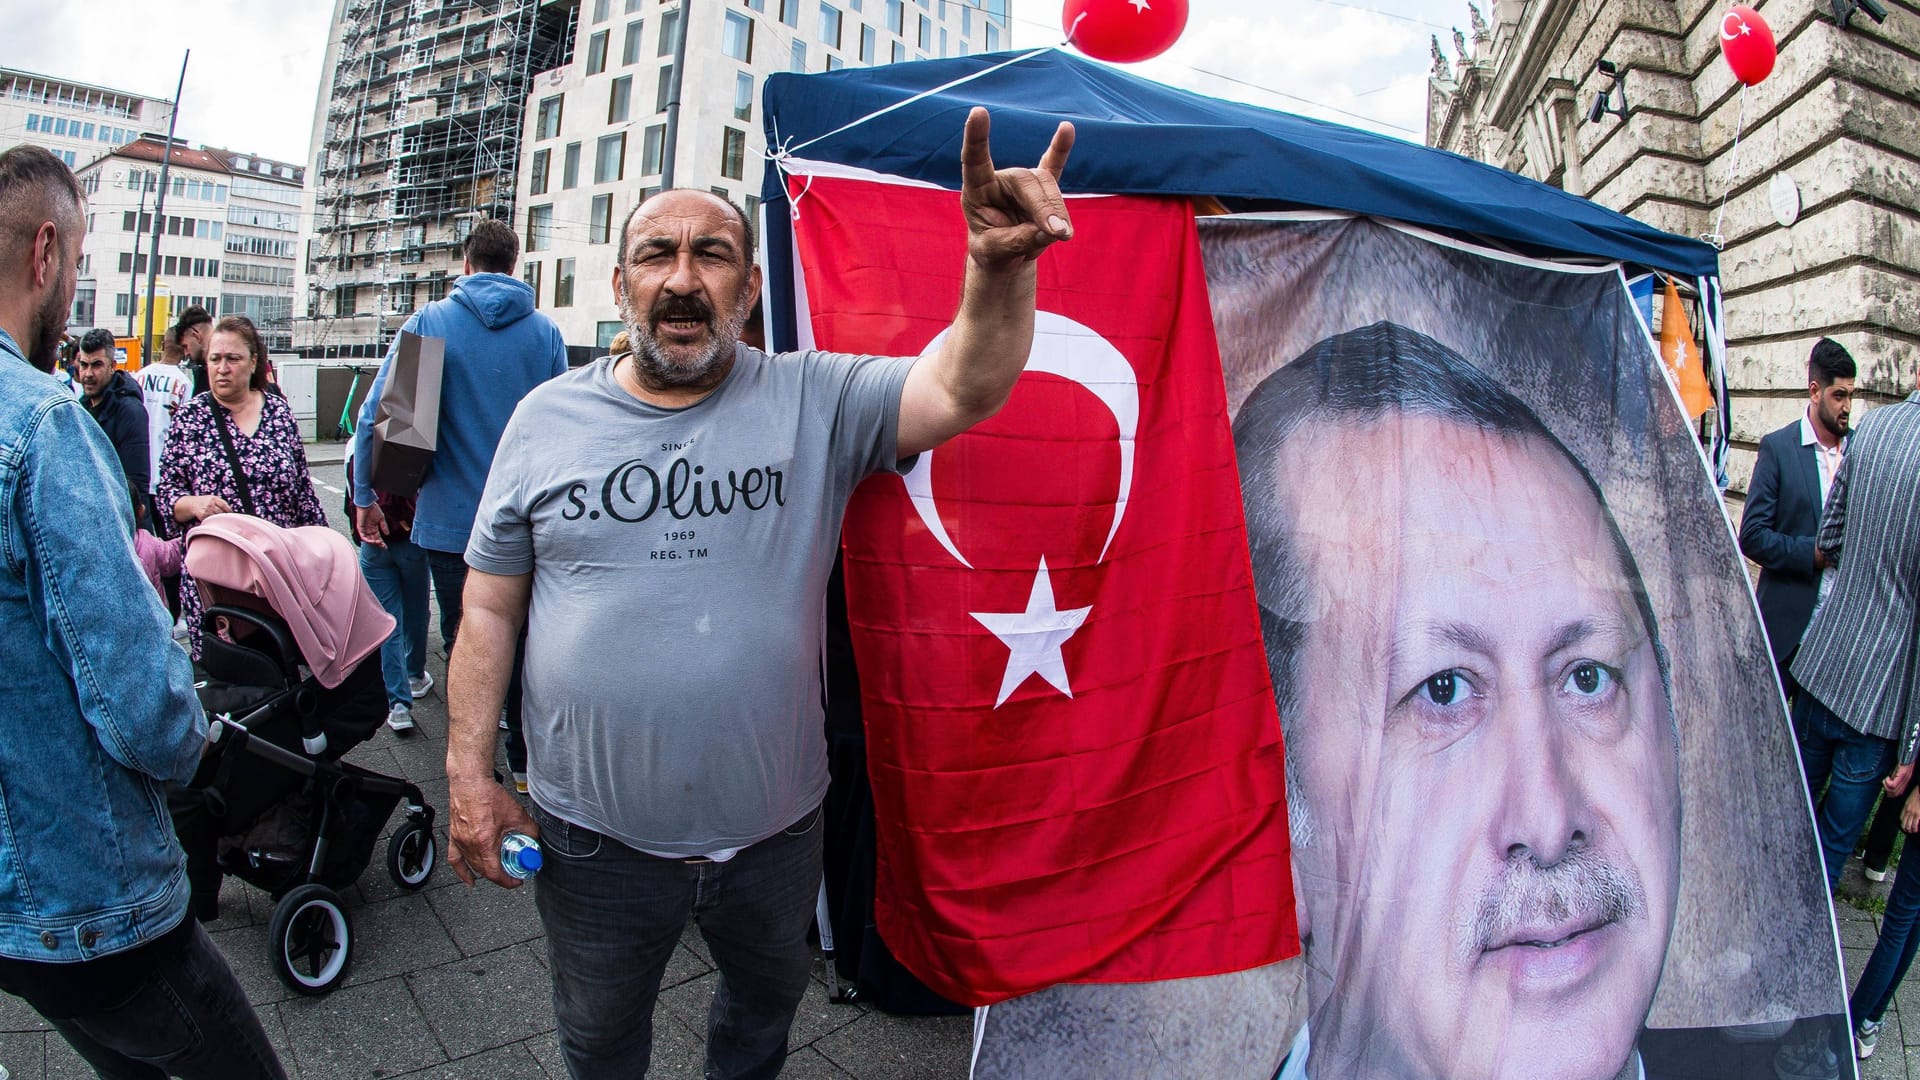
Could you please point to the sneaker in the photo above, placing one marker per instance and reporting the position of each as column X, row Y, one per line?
column 400, row 718
column 1864, row 1037
column 418, row 687
column 1874, row 875
column 520, row 782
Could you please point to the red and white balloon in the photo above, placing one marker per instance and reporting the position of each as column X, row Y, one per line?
column 1747, row 42
column 1123, row 31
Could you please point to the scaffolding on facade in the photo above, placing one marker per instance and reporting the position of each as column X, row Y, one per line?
column 422, row 135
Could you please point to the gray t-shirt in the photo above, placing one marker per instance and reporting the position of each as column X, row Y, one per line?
column 680, row 560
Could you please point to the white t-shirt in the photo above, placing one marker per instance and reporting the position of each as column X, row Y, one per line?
column 166, row 388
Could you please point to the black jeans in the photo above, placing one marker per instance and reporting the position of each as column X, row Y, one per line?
column 167, row 1008
column 449, row 572
column 613, row 916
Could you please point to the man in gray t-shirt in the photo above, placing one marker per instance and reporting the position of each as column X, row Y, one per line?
column 701, row 525
column 664, row 522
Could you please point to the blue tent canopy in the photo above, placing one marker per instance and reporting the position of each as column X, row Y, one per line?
column 1136, row 136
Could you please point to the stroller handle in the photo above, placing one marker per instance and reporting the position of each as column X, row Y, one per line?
column 218, row 726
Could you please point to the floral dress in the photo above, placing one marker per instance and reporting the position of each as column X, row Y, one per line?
column 275, row 462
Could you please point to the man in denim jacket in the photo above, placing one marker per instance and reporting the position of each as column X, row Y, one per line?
column 97, row 709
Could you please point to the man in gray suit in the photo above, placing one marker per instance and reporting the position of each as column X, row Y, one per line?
column 1858, row 714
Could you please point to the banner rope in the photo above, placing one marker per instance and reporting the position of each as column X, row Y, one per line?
column 785, row 150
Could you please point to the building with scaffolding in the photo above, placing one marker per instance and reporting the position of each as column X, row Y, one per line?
column 263, row 243
column 416, row 137
column 595, row 133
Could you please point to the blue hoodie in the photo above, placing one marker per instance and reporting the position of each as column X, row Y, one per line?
column 498, row 349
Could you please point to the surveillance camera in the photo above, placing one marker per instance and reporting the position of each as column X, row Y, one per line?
column 1843, row 11
column 1599, row 108
column 1608, row 68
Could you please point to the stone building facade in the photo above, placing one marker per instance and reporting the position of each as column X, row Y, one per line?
column 1821, row 225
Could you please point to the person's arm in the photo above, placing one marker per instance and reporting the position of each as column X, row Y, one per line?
column 189, row 430
column 479, row 810
column 1833, row 520
column 130, row 444
column 558, row 359
column 1012, row 215
column 97, row 614
column 1760, row 537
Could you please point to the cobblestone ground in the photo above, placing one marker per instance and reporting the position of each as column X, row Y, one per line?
column 1897, row 1054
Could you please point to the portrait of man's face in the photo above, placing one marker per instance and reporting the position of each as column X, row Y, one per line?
column 1486, row 755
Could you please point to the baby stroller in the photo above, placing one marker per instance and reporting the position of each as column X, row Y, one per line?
column 288, row 626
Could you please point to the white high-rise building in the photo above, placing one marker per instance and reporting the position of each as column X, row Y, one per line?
column 122, row 192
column 594, row 141
column 263, row 243
column 77, row 121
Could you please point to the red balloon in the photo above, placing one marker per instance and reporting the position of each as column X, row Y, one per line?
column 1747, row 42
column 1123, row 31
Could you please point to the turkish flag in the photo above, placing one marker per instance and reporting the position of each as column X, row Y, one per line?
column 1682, row 356
column 1072, row 738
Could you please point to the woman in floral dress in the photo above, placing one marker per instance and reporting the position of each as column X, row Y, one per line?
column 196, row 478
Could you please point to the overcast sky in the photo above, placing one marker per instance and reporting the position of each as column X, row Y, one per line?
column 255, row 69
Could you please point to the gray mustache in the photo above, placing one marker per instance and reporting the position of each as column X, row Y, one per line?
column 1583, row 888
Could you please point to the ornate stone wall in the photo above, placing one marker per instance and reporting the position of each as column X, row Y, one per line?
column 1839, row 117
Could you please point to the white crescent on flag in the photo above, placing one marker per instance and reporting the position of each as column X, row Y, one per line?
column 1074, row 352
column 1737, row 21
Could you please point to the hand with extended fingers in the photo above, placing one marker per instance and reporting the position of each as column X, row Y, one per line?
column 1012, row 214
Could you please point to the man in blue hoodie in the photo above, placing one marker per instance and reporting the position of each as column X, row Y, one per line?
column 498, row 349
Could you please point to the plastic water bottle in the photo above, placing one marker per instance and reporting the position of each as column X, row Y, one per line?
column 520, row 855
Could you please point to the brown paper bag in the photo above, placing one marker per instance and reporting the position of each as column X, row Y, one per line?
column 406, row 423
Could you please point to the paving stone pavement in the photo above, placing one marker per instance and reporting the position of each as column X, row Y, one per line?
column 451, row 983
column 1897, row 1054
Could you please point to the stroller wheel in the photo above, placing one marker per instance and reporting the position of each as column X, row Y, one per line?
column 310, row 939
column 410, row 855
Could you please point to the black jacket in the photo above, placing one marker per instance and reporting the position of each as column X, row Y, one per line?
column 122, row 414
column 1776, row 531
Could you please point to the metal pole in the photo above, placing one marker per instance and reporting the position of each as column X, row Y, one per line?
column 133, row 284
column 159, row 218
column 671, row 150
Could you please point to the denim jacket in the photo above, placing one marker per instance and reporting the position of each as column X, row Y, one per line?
column 97, row 708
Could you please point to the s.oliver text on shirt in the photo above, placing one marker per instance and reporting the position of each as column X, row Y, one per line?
column 634, row 491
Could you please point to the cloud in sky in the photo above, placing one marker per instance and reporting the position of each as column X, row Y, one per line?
column 251, row 83
column 255, row 71
column 1312, row 57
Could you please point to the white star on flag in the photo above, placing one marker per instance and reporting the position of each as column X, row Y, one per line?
column 1140, row 6
column 1033, row 637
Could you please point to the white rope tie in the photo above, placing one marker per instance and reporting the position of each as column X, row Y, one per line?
column 785, row 150
column 1716, row 238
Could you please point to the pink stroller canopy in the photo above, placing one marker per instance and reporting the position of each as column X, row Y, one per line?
column 309, row 576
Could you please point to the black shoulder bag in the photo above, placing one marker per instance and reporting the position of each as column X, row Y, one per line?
column 222, row 420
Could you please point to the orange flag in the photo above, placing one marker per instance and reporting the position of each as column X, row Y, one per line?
column 1682, row 356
